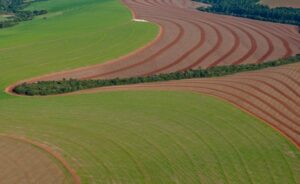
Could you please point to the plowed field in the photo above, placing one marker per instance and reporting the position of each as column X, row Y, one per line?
column 191, row 39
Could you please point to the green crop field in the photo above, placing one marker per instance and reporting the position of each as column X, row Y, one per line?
column 74, row 33
column 130, row 137
column 155, row 137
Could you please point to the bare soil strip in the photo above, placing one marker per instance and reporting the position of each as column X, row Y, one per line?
column 26, row 161
column 271, row 94
column 218, row 40
column 191, row 39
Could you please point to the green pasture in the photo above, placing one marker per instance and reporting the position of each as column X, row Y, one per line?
column 74, row 33
column 154, row 137
column 141, row 137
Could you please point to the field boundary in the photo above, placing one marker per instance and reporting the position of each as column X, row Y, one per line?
column 161, row 32
column 149, row 88
column 149, row 44
column 47, row 149
column 45, row 88
column 258, row 117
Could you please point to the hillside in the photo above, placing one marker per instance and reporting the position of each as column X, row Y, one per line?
column 241, row 129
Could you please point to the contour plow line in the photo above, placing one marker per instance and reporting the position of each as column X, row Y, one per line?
column 271, row 95
column 174, row 50
column 260, row 93
column 22, row 157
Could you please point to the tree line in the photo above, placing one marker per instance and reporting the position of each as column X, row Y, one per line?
column 16, row 9
column 254, row 10
column 43, row 88
column 11, row 5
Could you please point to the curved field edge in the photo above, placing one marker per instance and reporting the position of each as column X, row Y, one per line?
column 45, row 88
column 143, row 137
column 134, row 142
column 69, row 172
column 50, row 43
column 177, row 31
column 270, row 94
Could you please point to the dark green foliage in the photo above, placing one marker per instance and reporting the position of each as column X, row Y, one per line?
column 11, row 5
column 70, row 85
column 252, row 9
column 7, row 23
column 15, row 7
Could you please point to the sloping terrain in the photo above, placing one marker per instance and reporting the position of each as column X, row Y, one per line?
column 73, row 34
column 191, row 39
column 236, row 41
column 270, row 94
column 22, row 162
column 157, row 136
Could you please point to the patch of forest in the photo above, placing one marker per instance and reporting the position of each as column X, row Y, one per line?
column 43, row 88
column 16, row 12
column 254, row 10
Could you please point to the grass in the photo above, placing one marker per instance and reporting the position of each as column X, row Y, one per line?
column 155, row 137
column 130, row 137
column 75, row 33
column 44, row 88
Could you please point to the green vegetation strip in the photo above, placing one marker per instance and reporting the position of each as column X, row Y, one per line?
column 130, row 137
column 73, row 34
column 43, row 88
column 15, row 9
column 252, row 9
column 155, row 137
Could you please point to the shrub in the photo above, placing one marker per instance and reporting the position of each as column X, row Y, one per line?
column 69, row 85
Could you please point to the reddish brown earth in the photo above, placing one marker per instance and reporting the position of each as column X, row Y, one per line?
column 192, row 39
column 282, row 3
column 25, row 161
column 272, row 95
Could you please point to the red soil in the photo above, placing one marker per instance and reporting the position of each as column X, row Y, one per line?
column 192, row 39
column 270, row 94
column 22, row 162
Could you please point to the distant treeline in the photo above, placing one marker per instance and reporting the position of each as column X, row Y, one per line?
column 252, row 9
column 70, row 85
column 11, row 5
column 15, row 8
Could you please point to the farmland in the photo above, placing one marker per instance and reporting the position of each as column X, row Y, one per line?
column 189, row 39
column 147, row 137
column 282, row 3
column 190, row 131
column 21, row 162
column 270, row 94
column 69, row 37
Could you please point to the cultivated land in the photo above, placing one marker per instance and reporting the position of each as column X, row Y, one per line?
column 154, row 137
column 270, row 94
column 74, row 34
column 191, row 39
column 282, row 3
column 147, row 136
column 22, row 162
